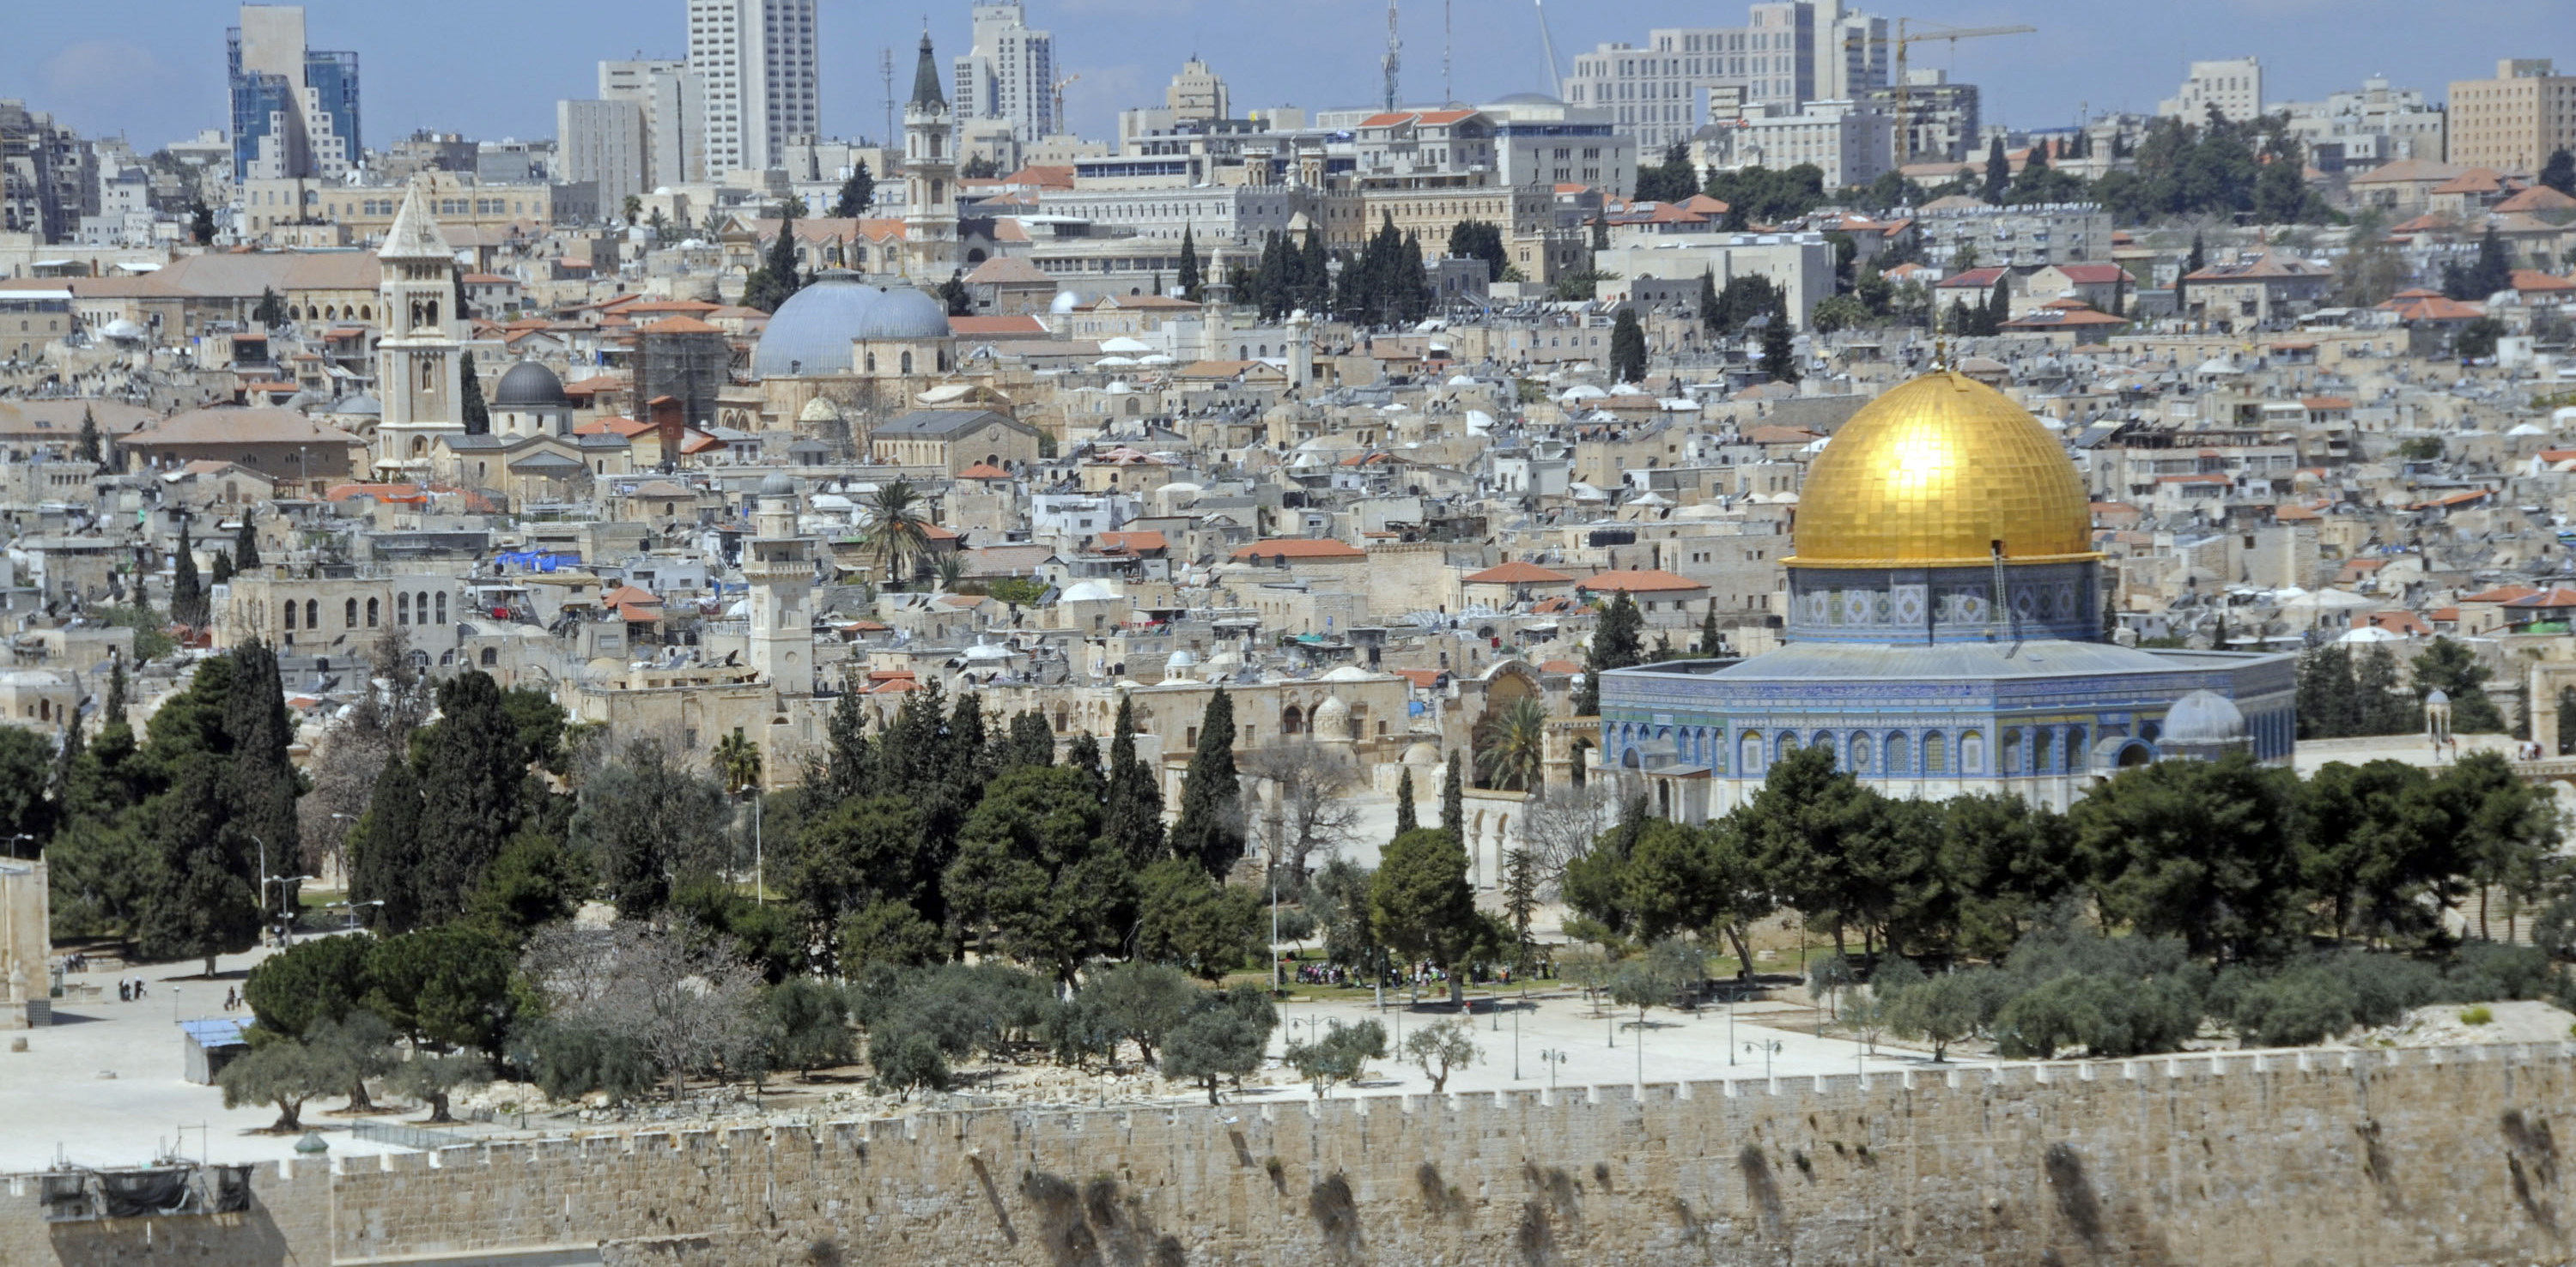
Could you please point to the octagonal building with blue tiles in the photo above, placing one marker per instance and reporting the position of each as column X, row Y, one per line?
column 1944, row 634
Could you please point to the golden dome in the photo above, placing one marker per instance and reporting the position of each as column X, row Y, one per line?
column 1933, row 473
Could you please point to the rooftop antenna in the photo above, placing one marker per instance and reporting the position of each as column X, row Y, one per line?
column 1394, row 54
column 885, row 71
column 1446, row 96
column 1547, row 45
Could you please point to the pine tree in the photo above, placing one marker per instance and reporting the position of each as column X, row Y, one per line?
column 858, row 193
column 223, row 571
column 472, row 772
column 1405, row 818
column 1708, row 637
column 245, row 545
column 1779, row 355
column 478, row 416
column 1617, row 643
column 1189, row 265
column 1453, row 797
column 89, row 449
column 1132, row 820
column 1314, row 276
column 187, row 590
column 114, row 714
column 1998, row 171
column 1709, row 314
column 1210, row 829
column 2559, row 172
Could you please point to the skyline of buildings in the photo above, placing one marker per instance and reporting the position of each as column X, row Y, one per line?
column 756, row 65
column 294, row 108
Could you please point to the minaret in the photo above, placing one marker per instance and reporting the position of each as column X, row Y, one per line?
column 929, row 176
column 781, row 577
column 418, row 362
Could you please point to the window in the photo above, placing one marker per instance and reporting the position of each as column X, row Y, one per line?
column 1936, row 754
column 489, row 657
column 290, row 615
column 312, row 613
column 402, row 609
column 371, row 613
column 350, row 615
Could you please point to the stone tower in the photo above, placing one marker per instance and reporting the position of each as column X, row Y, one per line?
column 781, row 577
column 418, row 361
column 929, row 176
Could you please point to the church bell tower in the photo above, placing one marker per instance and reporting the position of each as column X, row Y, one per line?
column 419, row 361
column 929, row 176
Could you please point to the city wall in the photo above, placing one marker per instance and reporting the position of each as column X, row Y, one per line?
column 2275, row 1159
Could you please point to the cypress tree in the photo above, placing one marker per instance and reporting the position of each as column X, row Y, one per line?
column 478, row 416
column 89, row 448
column 1405, row 818
column 223, row 570
column 384, row 851
column 1779, row 356
column 1210, row 829
column 472, row 770
column 1708, row 637
column 1453, row 798
column 245, row 545
column 1627, row 348
column 1617, row 642
column 187, row 592
column 1709, row 315
column 1314, row 276
column 1189, row 265
column 1132, row 819
column 115, row 712
column 1998, row 171
column 1998, row 304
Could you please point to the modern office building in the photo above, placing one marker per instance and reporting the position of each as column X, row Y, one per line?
column 755, row 61
column 2514, row 121
column 1009, row 73
column 2366, row 127
column 1788, row 53
column 294, row 109
column 603, row 142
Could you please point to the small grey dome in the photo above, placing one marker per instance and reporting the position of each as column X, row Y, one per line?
column 2203, row 717
column 360, row 405
column 529, row 385
column 2437, row 696
column 905, row 314
column 779, row 484
column 810, row 334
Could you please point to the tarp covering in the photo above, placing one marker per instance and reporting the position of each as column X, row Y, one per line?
column 536, row 562
column 135, row 1193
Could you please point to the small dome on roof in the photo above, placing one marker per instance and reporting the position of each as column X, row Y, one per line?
column 1422, row 756
column 2203, row 717
column 1178, row 667
column 1332, row 719
column 529, row 385
column 1086, row 592
column 820, row 409
column 360, row 404
column 2438, row 696
column 1350, row 673
column 779, row 484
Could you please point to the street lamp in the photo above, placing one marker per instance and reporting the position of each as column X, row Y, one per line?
column 1769, row 1049
column 285, row 918
column 353, row 910
column 1553, row 1058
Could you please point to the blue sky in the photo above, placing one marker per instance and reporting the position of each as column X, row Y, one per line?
column 492, row 68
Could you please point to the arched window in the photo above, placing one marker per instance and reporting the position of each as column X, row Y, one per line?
column 2075, row 760
column 371, row 612
column 290, row 615
column 489, row 657
column 1972, row 753
column 1900, row 754
column 433, row 312
column 349, row 615
column 1936, row 754
column 1788, row 744
column 907, row 362
column 402, row 609
column 420, row 607
column 1750, row 761
column 1859, row 753
column 442, row 608
column 1825, row 744
column 312, row 613
column 2011, row 754
column 1291, row 720
column 2043, row 751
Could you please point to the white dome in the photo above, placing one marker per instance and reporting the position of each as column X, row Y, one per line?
column 1179, row 665
column 1332, row 719
column 1086, row 592
column 985, row 652
column 1350, row 673
column 1422, row 756
column 820, row 409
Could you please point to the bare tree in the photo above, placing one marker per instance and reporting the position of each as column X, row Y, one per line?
column 352, row 754
column 684, row 998
column 1312, row 811
column 1560, row 824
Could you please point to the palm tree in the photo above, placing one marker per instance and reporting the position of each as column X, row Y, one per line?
column 737, row 761
column 950, row 569
column 1511, row 746
column 899, row 533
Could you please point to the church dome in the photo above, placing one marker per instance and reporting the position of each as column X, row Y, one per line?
column 810, row 334
column 1332, row 719
column 529, row 385
column 2202, row 717
column 902, row 315
column 1934, row 472
column 779, row 484
column 820, row 409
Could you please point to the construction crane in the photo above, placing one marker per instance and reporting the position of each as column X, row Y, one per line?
column 1060, row 86
column 1904, row 40
column 1394, row 59
column 1547, row 45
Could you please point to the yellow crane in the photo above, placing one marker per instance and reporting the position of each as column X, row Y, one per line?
column 1904, row 40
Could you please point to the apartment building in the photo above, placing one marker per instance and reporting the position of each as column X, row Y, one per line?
column 1787, row 53
column 2367, row 127
column 294, row 109
column 2515, row 121
column 2233, row 86
column 1009, row 74
column 675, row 110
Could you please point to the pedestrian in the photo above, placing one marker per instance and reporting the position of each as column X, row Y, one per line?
column 124, row 991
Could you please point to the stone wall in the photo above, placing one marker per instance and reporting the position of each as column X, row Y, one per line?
column 2440, row 1156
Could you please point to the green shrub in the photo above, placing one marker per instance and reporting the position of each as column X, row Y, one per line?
column 2305, row 1003
column 2477, row 1015
column 2487, row 971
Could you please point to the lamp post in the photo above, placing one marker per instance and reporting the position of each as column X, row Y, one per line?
column 285, row 920
column 1553, row 1058
column 353, row 910
column 1769, row 1049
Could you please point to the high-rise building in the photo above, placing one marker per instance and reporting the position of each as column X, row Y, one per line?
column 675, row 116
column 755, row 61
column 1197, row 93
column 2516, row 120
column 295, row 110
column 47, row 174
column 2234, row 87
column 2366, row 127
column 1939, row 119
column 1009, row 73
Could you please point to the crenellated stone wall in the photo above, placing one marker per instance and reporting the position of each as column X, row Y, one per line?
column 2269, row 1159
